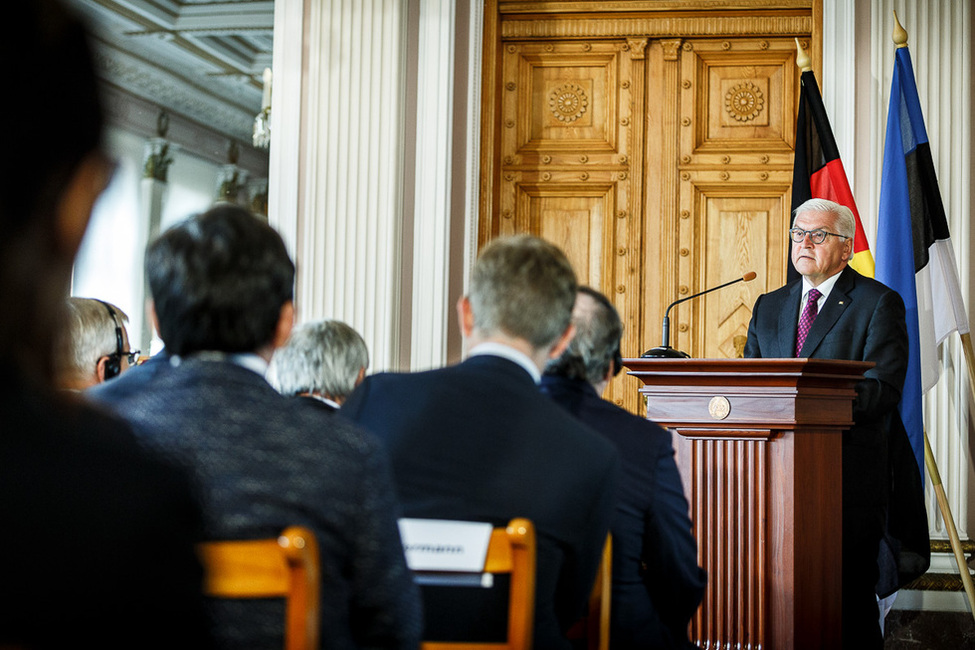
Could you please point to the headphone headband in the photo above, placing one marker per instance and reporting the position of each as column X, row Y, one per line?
column 113, row 367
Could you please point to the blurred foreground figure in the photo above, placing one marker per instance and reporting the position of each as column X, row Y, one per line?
column 96, row 537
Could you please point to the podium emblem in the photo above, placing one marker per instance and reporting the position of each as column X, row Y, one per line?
column 719, row 407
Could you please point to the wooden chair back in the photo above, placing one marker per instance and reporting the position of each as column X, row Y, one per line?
column 594, row 625
column 511, row 550
column 284, row 567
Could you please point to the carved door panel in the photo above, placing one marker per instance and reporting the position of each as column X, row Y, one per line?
column 655, row 147
column 737, row 132
column 567, row 138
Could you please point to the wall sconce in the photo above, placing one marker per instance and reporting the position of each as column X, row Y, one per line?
column 262, row 122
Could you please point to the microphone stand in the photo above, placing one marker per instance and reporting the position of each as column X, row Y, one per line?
column 664, row 351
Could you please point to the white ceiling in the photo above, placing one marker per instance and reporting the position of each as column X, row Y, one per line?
column 197, row 59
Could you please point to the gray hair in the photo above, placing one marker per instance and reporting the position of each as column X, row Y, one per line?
column 524, row 287
column 323, row 357
column 88, row 335
column 597, row 339
column 846, row 223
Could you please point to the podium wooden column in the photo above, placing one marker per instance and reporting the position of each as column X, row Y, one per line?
column 758, row 444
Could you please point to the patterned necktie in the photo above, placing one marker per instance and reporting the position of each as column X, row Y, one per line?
column 808, row 316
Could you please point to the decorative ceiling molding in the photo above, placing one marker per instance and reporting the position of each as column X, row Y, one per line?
column 136, row 115
column 655, row 27
column 192, row 58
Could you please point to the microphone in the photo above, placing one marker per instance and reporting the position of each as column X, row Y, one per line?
column 664, row 351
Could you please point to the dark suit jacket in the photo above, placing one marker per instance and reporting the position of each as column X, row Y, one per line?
column 96, row 535
column 478, row 441
column 862, row 320
column 657, row 584
column 265, row 461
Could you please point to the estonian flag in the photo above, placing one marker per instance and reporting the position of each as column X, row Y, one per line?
column 914, row 254
column 818, row 171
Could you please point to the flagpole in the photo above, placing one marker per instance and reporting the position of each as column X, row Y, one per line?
column 966, row 577
column 899, row 37
column 803, row 59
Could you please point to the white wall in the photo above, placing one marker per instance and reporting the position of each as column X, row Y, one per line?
column 109, row 264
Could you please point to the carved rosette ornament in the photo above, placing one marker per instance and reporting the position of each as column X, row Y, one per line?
column 568, row 102
column 744, row 101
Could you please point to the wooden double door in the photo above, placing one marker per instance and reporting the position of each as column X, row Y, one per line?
column 652, row 141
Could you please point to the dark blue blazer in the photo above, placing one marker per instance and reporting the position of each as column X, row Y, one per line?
column 862, row 320
column 263, row 462
column 657, row 583
column 478, row 441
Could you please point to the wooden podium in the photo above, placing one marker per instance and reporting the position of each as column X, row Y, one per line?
column 758, row 444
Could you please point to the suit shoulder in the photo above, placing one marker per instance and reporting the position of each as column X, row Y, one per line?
column 586, row 438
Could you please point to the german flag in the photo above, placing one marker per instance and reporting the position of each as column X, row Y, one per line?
column 818, row 171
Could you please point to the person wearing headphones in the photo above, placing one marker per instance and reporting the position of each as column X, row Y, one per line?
column 94, row 346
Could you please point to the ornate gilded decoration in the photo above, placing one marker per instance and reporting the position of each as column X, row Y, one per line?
column 744, row 101
column 157, row 161
column 568, row 102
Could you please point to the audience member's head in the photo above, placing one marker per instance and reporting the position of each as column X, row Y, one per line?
column 593, row 355
column 221, row 281
column 49, row 178
column 522, row 288
column 324, row 359
column 94, row 344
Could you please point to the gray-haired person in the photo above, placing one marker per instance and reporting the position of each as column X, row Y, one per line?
column 323, row 362
column 94, row 345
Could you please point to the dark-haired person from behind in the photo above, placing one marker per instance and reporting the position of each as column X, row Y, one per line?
column 222, row 287
column 96, row 537
column 657, row 584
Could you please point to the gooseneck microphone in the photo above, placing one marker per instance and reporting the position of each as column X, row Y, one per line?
column 665, row 351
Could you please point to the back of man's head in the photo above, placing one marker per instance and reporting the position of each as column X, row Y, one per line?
column 321, row 358
column 596, row 343
column 219, row 281
column 524, row 287
column 94, row 329
column 55, row 85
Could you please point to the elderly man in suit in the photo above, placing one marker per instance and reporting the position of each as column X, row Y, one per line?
column 321, row 364
column 478, row 440
column 833, row 312
column 657, row 584
column 222, row 286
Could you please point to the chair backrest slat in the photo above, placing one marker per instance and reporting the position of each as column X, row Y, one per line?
column 510, row 550
column 287, row 567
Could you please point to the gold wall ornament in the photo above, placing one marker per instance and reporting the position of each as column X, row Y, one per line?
column 158, row 159
column 744, row 101
column 568, row 102
column 262, row 121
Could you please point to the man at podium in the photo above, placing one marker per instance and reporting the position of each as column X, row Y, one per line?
column 833, row 312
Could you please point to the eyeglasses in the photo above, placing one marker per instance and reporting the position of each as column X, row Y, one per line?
column 817, row 236
column 131, row 355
